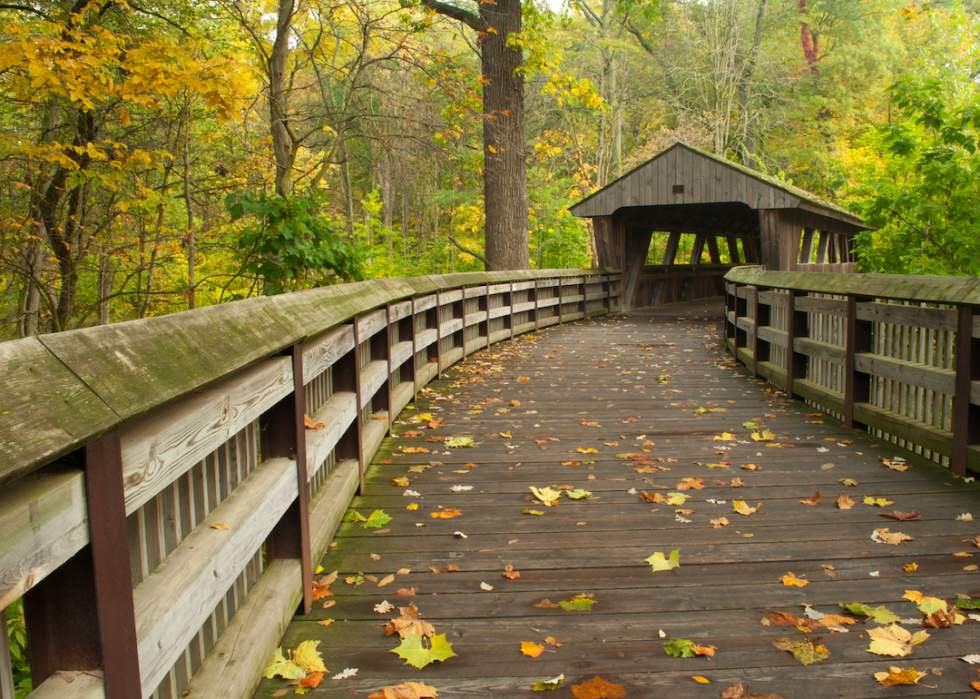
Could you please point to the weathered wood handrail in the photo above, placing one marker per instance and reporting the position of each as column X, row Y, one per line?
column 848, row 344
column 148, row 466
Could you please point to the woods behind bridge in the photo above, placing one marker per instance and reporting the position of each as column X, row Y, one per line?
column 159, row 155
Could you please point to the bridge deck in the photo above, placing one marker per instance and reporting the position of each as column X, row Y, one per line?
column 595, row 386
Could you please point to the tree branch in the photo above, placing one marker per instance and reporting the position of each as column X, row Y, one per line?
column 468, row 18
column 481, row 258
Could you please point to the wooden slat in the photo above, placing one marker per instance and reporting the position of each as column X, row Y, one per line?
column 820, row 350
column 159, row 448
column 323, row 351
column 44, row 521
column 934, row 318
column 337, row 414
column 906, row 372
column 373, row 377
column 178, row 597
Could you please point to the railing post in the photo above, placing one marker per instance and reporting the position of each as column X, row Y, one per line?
column 537, row 308
column 559, row 300
column 415, row 359
column 966, row 415
column 741, row 311
column 439, row 333
column 857, row 384
column 761, row 349
column 391, row 369
column 511, row 298
column 359, row 421
column 797, row 326
column 608, row 285
column 283, row 432
column 81, row 616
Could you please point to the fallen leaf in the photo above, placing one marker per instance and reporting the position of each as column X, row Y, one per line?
column 877, row 502
column 691, row 484
column 546, row 604
column 346, row 674
column 764, row 436
column 843, row 502
column 552, row 642
column 807, row 652
column 965, row 517
column 847, row 482
column 897, row 675
column 415, row 450
column 486, row 587
column 751, row 467
column 700, row 680
column 790, row 580
column 545, row 685
column 415, row 653
column 532, row 650
column 457, row 442
column 577, row 604
column 446, row 514
column 815, row 500
column 408, row 623
column 598, row 688
column 683, row 648
column 894, row 640
column 720, row 522
column 743, row 509
column 523, row 379
column 220, row 525
column 659, row 562
column 326, row 622
column 884, row 536
column 310, row 425
column 881, row 615
column 532, row 512
column 383, row 607
column 412, row 506
column 373, row 521
column 901, row 516
column 511, row 574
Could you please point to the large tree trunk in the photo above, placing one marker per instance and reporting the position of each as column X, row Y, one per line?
column 505, row 166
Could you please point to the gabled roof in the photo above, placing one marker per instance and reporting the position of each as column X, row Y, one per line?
column 686, row 175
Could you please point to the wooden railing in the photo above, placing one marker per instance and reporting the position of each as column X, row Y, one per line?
column 161, row 500
column 896, row 354
column 665, row 284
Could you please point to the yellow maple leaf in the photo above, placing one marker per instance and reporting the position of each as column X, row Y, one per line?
column 413, row 506
column 790, row 580
column 764, row 436
column 897, row 675
column 532, row 650
column 743, row 508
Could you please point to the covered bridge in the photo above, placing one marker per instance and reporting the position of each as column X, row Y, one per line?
column 684, row 191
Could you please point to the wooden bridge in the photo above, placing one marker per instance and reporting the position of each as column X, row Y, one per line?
column 164, row 505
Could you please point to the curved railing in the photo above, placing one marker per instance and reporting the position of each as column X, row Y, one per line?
column 161, row 500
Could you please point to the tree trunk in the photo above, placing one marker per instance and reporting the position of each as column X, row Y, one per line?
column 282, row 143
column 31, row 309
column 505, row 167
column 191, row 240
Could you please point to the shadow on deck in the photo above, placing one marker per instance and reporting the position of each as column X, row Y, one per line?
column 637, row 384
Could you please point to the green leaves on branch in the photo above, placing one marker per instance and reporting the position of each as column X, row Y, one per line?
column 291, row 245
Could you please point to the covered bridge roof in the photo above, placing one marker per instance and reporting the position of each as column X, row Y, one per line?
column 683, row 175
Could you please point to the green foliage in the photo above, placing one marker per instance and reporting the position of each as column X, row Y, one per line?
column 291, row 240
column 375, row 520
column 924, row 199
column 17, row 638
column 679, row 648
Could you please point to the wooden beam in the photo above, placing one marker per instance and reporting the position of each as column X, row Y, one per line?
column 636, row 260
column 857, row 384
column 966, row 415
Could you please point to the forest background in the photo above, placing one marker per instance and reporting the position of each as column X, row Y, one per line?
column 161, row 155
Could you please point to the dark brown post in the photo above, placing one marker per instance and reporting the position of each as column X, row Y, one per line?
column 729, row 312
column 357, row 391
column 391, row 369
column 284, row 436
column 81, row 616
column 559, row 300
column 439, row 333
column 511, row 297
column 857, row 385
column 966, row 416
column 761, row 349
column 537, row 309
column 741, row 311
column 415, row 370
column 797, row 326
column 608, row 286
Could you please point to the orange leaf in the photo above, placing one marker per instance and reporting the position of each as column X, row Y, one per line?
column 523, row 379
column 220, row 525
column 308, row 422
column 532, row 650
column 789, row 580
column 815, row 500
column 598, row 688
column 511, row 574
column 311, row 681
column 445, row 514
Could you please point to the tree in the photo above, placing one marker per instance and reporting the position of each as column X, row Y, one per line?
column 924, row 200
column 504, row 136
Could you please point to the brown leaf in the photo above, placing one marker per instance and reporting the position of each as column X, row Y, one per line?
column 310, row 425
column 511, row 574
column 815, row 500
column 220, row 525
column 720, row 522
column 409, row 623
column 901, row 516
column 691, row 484
column 598, row 688
column 451, row 568
column 786, row 619
column 546, row 604
column 406, row 591
column 411, row 433
column 652, row 497
column 552, row 642
column 407, row 690
column 737, row 482
column 844, row 502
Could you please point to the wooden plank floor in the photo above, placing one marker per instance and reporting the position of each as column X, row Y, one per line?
column 594, row 385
